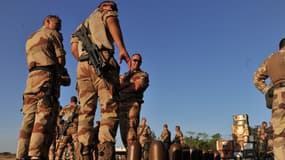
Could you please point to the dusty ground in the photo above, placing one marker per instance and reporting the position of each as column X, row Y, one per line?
column 7, row 157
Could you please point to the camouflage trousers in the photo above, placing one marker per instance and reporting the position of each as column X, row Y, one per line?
column 129, row 116
column 37, row 128
column 90, row 89
column 278, row 123
column 68, row 141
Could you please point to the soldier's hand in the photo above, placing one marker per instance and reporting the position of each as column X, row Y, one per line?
column 125, row 56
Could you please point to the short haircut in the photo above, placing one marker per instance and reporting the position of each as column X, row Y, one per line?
column 73, row 99
column 48, row 17
column 114, row 7
column 282, row 43
column 178, row 127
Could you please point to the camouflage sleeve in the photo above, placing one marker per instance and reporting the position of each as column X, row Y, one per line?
column 107, row 14
column 57, row 43
column 75, row 39
column 260, row 76
column 143, row 80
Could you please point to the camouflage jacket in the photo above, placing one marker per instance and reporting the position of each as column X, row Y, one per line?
column 127, row 85
column 165, row 136
column 144, row 134
column 272, row 67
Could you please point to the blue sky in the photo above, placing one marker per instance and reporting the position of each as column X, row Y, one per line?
column 200, row 55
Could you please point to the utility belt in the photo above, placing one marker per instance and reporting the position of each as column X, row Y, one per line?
column 50, row 68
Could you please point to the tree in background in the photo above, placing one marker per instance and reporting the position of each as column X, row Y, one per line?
column 202, row 140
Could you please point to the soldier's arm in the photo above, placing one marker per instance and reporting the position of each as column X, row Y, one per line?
column 74, row 47
column 139, row 83
column 259, row 78
column 58, row 46
column 115, row 30
column 74, row 50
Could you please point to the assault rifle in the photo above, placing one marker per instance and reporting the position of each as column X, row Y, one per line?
column 94, row 55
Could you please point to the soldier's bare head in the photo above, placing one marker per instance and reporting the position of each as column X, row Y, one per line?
column 282, row 43
column 73, row 99
column 264, row 124
column 52, row 22
column 108, row 5
column 165, row 126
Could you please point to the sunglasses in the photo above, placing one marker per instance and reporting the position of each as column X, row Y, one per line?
column 136, row 60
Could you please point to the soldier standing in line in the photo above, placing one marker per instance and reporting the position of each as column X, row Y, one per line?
column 68, row 134
column 132, row 86
column 262, row 139
column 104, row 29
column 178, row 136
column 55, row 141
column 165, row 137
column 46, row 60
column 273, row 68
column 144, row 136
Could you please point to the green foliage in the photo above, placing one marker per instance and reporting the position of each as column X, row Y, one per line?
column 202, row 140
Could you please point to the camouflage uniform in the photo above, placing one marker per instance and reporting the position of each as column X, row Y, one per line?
column 91, row 87
column 165, row 137
column 130, row 103
column 70, row 114
column 273, row 67
column 39, row 107
column 144, row 136
column 178, row 136
column 262, row 140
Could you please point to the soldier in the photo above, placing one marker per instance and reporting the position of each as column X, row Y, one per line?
column 273, row 67
column 132, row 86
column 165, row 137
column 262, row 139
column 46, row 60
column 104, row 29
column 178, row 136
column 68, row 133
column 144, row 136
column 55, row 140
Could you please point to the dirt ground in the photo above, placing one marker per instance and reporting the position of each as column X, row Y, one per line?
column 7, row 158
